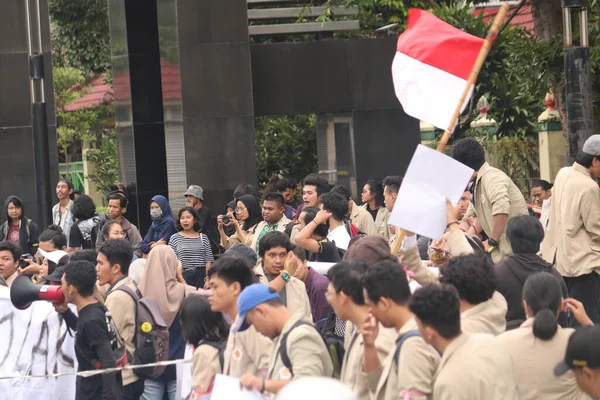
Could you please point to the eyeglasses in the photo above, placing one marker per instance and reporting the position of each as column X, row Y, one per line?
column 240, row 209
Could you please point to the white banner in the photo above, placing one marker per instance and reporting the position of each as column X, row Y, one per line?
column 35, row 342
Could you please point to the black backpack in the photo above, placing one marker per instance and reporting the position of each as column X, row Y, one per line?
column 333, row 343
column 407, row 335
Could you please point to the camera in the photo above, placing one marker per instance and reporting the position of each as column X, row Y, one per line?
column 226, row 219
column 22, row 261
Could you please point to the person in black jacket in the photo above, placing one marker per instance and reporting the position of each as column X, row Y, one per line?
column 19, row 229
column 525, row 233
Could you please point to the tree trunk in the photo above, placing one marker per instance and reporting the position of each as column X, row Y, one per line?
column 547, row 18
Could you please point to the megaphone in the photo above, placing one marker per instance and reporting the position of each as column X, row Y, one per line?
column 23, row 292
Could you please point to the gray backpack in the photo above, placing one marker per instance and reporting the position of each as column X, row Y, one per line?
column 151, row 335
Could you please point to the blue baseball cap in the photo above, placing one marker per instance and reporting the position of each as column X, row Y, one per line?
column 252, row 296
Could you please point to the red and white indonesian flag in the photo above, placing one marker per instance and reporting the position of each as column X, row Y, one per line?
column 432, row 66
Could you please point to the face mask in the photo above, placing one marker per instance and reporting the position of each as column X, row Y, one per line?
column 156, row 214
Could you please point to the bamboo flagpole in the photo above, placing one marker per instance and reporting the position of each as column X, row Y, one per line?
column 485, row 49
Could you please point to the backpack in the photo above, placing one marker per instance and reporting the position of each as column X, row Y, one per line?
column 407, row 335
column 332, row 344
column 315, row 256
column 151, row 335
column 219, row 346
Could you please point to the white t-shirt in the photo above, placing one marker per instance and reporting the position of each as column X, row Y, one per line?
column 340, row 237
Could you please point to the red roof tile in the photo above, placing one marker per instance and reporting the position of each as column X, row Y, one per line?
column 524, row 18
column 100, row 93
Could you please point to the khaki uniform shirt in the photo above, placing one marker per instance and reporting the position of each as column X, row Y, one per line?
column 306, row 351
column 247, row 352
column 122, row 307
column 234, row 239
column 11, row 279
column 412, row 376
column 534, row 360
column 457, row 245
column 281, row 225
column 572, row 241
column 496, row 193
column 475, row 367
column 296, row 298
column 363, row 220
column 205, row 366
column 351, row 373
column 487, row 317
column 381, row 221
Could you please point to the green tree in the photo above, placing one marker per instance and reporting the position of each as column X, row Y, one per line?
column 286, row 145
column 104, row 160
column 80, row 34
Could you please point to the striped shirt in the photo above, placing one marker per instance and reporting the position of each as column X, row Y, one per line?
column 192, row 252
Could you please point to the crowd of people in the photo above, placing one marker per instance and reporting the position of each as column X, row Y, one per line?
column 502, row 306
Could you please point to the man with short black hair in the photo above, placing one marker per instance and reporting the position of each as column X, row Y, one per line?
column 359, row 216
column 410, row 366
column 117, row 207
column 247, row 351
column 473, row 366
column 345, row 293
column 496, row 198
column 483, row 310
column 525, row 233
column 273, row 251
column 274, row 218
column 337, row 205
column 95, row 337
column 114, row 258
column 313, row 187
column 261, row 307
column 10, row 254
column 572, row 241
column 583, row 358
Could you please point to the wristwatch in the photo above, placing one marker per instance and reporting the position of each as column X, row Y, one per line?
column 493, row 243
column 285, row 275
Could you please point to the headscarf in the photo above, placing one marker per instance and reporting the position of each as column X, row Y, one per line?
column 167, row 213
column 254, row 214
column 370, row 250
column 160, row 282
column 136, row 270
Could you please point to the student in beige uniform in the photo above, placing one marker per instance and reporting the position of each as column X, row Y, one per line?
column 540, row 343
column 473, row 366
column 247, row 351
column 409, row 368
column 482, row 309
column 273, row 212
column 207, row 332
column 391, row 186
column 345, row 294
column 456, row 245
column 114, row 258
column 357, row 215
column 496, row 198
column 273, row 251
column 261, row 307
column 373, row 203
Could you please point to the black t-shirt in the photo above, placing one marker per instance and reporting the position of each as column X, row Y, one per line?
column 373, row 212
column 92, row 331
column 328, row 252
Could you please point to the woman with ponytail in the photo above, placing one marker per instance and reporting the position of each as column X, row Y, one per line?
column 540, row 343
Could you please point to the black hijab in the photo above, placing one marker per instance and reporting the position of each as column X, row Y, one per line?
column 254, row 213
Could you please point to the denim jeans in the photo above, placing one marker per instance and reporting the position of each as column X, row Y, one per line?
column 155, row 390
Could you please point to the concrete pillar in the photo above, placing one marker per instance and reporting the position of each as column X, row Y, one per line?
column 553, row 149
